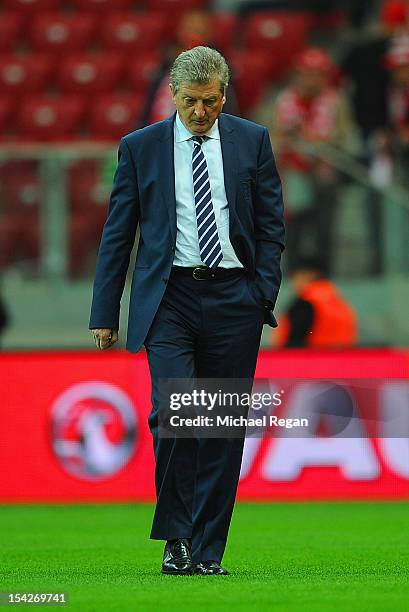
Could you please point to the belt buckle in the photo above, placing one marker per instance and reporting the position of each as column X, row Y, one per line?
column 197, row 271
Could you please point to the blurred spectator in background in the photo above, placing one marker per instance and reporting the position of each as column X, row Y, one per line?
column 194, row 29
column 318, row 317
column 364, row 65
column 310, row 110
column 357, row 11
column 397, row 60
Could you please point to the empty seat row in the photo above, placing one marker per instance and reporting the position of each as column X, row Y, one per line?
column 99, row 96
column 274, row 32
column 68, row 118
column 97, row 73
column 59, row 33
column 88, row 73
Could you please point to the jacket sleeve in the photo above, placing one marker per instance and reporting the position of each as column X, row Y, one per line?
column 268, row 224
column 116, row 244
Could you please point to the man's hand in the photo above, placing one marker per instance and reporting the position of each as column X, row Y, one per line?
column 104, row 338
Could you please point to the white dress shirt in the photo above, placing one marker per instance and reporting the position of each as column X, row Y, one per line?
column 187, row 244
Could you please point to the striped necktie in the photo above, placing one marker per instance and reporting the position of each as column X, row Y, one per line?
column 209, row 242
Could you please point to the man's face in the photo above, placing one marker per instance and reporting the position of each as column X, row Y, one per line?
column 199, row 105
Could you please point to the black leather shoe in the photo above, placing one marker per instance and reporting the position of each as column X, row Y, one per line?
column 209, row 568
column 177, row 558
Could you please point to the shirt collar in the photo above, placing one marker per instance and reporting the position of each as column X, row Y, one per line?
column 182, row 133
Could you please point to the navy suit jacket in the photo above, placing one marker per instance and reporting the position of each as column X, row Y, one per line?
column 144, row 193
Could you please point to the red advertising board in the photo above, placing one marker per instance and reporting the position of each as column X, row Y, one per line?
column 73, row 427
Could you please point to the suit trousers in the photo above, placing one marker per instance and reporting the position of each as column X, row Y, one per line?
column 202, row 329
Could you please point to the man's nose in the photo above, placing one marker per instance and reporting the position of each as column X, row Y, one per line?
column 200, row 110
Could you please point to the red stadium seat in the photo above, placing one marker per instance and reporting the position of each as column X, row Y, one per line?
column 44, row 119
column 19, row 238
column 250, row 89
column 90, row 73
column 279, row 34
column 225, row 27
column 113, row 116
column 31, row 6
column 6, row 112
column 20, row 186
column 85, row 188
column 61, row 33
column 29, row 74
column 133, row 32
column 102, row 5
column 88, row 199
column 20, row 196
column 141, row 70
column 11, row 27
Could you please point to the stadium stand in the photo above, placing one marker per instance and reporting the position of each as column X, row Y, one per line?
column 82, row 70
column 51, row 50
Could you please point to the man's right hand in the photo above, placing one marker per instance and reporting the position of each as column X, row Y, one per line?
column 105, row 338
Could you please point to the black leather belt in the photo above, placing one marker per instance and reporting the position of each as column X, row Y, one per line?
column 203, row 273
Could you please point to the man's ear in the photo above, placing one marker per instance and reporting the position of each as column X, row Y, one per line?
column 224, row 97
column 171, row 91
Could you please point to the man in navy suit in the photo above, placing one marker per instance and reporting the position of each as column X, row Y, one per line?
column 204, row 190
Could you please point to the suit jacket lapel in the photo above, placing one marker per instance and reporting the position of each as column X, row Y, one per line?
column 230, row 163
column 167, row 172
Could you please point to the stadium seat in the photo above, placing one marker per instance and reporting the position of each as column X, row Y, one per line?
column 20, row 186
column 102, row 5
column 61, row 33
column 85, row 186
column 250, row 90
column 29, row 74
column 47, row 119
column 32, row 6
column 280, row 34
column 88, row 200
column 90, row 73
column 11, row 27
column 20, row 196
column 113, row 116
column 141, row 70
column 144, row 32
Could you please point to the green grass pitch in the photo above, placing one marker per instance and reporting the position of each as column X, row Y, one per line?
column 300, row 556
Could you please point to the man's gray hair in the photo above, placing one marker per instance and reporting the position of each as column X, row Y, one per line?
column 199, row 65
